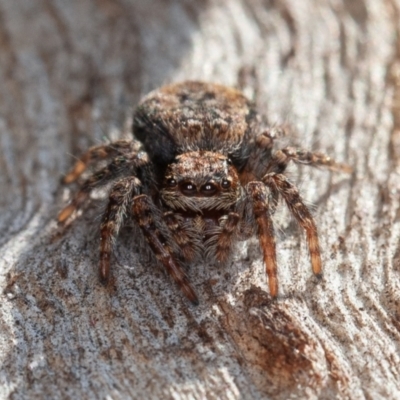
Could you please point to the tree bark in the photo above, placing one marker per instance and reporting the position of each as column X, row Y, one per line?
column 329, row 71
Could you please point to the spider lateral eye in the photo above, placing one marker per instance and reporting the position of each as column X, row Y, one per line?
column 171, row 182
column 226, row 184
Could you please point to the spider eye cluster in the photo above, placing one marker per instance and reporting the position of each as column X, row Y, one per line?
column 188, row 188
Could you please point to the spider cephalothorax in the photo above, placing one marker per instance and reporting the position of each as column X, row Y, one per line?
column 199, row 174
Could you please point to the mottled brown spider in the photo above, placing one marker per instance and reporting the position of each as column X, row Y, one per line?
column 200, row 174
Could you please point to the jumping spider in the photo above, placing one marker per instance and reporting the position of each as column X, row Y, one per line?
column 200, row 174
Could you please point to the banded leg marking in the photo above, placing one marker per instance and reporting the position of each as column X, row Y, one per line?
column 281, row 159
column 119, row 166
column 301, row 213
column 97, row 153
column 120, row 197
column 266, row 233
column 142, row 211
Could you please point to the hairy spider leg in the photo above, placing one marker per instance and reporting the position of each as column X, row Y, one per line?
column 220, row 243
column 119, row 199
column 301, row 213
column 97, row 153
column 142, row 211
column 184, row 237
column 266, row 235
column 121, row 165
column 224, row 241
column 281, row 159
column 273, row 200
column 261, row 154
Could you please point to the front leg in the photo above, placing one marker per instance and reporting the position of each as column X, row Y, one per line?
column 184, row 238
column 220, row 243
column 143, row 213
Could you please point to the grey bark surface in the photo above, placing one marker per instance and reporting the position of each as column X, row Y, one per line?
column 70, row 73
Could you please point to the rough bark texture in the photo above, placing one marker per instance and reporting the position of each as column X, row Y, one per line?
column 70, row 71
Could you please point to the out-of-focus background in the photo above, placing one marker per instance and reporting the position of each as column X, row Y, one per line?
column 329, row 71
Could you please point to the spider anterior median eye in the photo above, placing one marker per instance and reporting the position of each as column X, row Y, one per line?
column 208, row 188
column 188, row 188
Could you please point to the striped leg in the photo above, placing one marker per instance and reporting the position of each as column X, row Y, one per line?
column 98, row 153
column 119, row 198
column 119, row 166
column 281, row 159
column 183, row 237
column 300, row 211
column 273, row 200
column 142, row 212
column 266, row 234
column 220, row 243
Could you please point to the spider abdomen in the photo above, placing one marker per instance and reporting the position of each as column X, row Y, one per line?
column 193, row 116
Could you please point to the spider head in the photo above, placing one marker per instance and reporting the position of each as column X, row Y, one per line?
column 201, row 180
